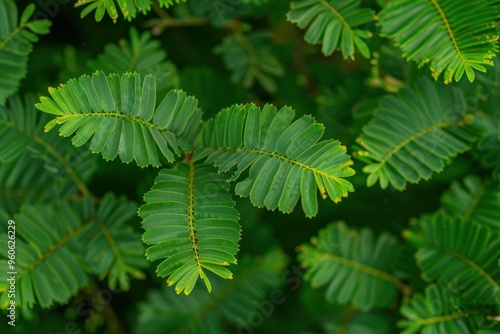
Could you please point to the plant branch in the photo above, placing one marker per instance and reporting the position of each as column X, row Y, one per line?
column 166, row 21
column 113, row 323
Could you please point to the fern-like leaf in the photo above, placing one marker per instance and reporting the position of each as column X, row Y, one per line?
column 48, row 262
column 143, row 55
column 16, row 43
column 439, row 311
column 129, row 8
column 21, row 130
column 460, row 253
column 18, row 120
column 121, row 116
column 201, row 312
column 474, row 200
column 168, row 3
column 114, row 249
column 191, row 224
column 334, row 24
column 287, row 160
column 22, row 181
column 455, row 37
column 52, row 261
column 413, row 135
column 354, row 267
column 251, row 58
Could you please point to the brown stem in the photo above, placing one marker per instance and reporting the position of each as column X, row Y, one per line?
column 165, row 21
column 113, row 323
column 160, row 11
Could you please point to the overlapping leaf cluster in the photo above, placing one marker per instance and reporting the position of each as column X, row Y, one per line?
column 440, row 275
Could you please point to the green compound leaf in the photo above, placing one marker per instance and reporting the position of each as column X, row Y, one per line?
column 334, row 24
column 16, row 43
column 140, row 54
column 475, row 200
column 114, row 248
column 354, row 267
column 120, row 116
column 455, row 37
column 459, row 253
column 438, row 311
column 49, row 266
column 191, row 225
column 231, row 301
column 286, row 159
column 59, row 244
column 22, row 137
column 128, row 8
column 415, row 134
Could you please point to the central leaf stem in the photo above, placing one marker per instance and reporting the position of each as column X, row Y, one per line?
column 192, row 231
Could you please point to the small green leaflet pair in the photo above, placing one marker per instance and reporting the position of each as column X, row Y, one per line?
column 189, row 216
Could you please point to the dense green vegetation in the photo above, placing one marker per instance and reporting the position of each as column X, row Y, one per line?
column 250, row 166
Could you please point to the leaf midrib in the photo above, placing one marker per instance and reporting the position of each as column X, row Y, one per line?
column 253, row 59
column 475, row 202
column 112, row 243
column 448, row 28
column 367, row 269
column 443, row 318
column 192, row 233
column 474, row 266
column 285, row 159
column 11, row 35
column 417, row 135
column 118, row 115
column 337, row 14
column 60, row 243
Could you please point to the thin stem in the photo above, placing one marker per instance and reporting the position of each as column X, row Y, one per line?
column 166, row 21
column 113, row 323
column 160, row 11
column 492, row 318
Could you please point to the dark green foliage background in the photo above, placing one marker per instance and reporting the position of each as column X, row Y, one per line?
column 338, row 93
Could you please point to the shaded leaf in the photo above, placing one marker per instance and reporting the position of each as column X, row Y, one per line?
column 354, row 267
column 455, row 37
column 415, row 134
